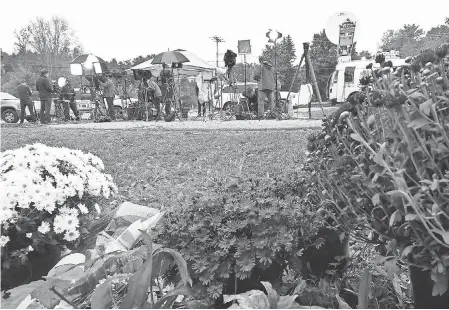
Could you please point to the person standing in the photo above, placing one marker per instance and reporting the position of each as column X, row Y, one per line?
column 25, row 101
column 43, row 86
column 108, row 95
column 267, row 83
column 166, row 94
column 68, row 97
column 157, row 95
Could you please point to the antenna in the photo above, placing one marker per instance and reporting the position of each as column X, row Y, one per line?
column 217, row 40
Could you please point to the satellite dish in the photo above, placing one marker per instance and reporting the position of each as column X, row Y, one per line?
column 335, row 21
column 62, row 81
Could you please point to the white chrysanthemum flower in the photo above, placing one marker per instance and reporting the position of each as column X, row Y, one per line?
column 71, row 235
column 44, row 228
column 29, row 235
column 30, row 248
column 3, row 241
column 97, row 208
column 71, row 222
column 83, row 208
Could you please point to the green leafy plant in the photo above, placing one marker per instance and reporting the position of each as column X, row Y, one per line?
column 237, row 228
column 382, row 164
column 120, row 279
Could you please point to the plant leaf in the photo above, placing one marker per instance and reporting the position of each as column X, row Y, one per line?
column 364, row 289
column 381, row 271
column 46, row 296
column 139, row 283
column 444, row 234
column 198, row 304
column 273, row 297
column 301, row 287
column 357, row 137
column 286, row 302
column 395, row 217
column 18, row 294
column 440, row 282
column 181, row 290
column 401, row 184
column 102, row 296
column 391, row 268
column 426, row 106
column 376, row 199
column 341, row 303
column 407, row 251
column 180, row 262
column 253, row 299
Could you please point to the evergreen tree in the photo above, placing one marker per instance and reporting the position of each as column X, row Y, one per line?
column 323, row 54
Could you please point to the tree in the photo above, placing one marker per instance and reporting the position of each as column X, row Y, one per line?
column 22, row 40
column 406, row 40
column 323, row 54
column 286, row 55
column 411, row 39
column 53, row 41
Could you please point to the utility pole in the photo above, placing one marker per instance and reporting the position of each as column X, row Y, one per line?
column 217, row 40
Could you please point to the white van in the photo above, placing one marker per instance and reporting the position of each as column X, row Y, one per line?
column 344, row 81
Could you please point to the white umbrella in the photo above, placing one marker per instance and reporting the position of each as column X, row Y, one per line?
column 193, row 67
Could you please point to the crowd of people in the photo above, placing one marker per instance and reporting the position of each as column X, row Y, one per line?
column 159, row 91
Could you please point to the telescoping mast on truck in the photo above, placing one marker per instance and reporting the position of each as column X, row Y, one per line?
column 344, row 81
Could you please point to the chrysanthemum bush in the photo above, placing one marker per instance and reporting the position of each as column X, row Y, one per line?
column 382, row 165
column 48, row 195
column 239, row 230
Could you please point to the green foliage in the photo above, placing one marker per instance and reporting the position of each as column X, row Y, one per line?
column 381, row 163
column 233, row 226
column 323, row 55
column 285, row 56
column 124, row 279
column 259, row 300
column 411, row 39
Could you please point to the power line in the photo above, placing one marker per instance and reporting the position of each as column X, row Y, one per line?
column 217, row 40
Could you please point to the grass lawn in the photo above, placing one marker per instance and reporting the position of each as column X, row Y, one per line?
column 152, row 167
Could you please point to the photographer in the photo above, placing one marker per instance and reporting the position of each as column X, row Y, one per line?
column 108, row 95
column 252, row 96
column 67, row 94
column 43, row 86
column 25, row 101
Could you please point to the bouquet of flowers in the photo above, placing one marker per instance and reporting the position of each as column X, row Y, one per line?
column 48, row 193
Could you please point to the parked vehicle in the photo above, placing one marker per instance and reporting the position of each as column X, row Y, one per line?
column 344, row 81
column 10, row 108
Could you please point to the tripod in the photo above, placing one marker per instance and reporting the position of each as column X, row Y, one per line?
column 124, row 96
column 310, row 77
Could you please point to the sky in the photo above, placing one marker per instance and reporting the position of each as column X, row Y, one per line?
column 129, row 28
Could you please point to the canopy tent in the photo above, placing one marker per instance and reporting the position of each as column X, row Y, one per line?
column 193, row 67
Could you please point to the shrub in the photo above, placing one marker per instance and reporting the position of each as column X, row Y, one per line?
column 48, row 195
column 382, row 164
column 234, row 229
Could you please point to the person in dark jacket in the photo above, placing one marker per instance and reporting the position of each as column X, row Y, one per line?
column 108, row 95
column 43, row 86
column 68, row 97
column 253, row 100
column 266, row 86
column 25, row 101
column 166, row 94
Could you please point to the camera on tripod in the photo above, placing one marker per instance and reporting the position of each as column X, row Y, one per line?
column 55, row 87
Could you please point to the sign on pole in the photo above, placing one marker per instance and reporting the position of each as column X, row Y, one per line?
column 244, row 47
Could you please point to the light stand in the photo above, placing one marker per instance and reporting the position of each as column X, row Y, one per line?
column 273, row 36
